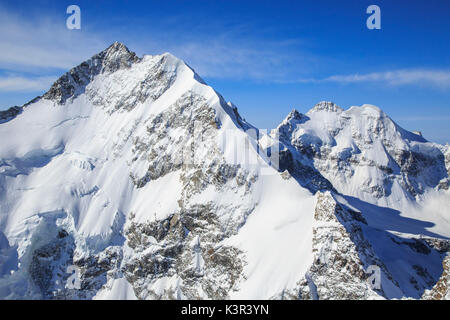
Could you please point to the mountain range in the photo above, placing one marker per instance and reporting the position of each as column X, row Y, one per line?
column 131, row 178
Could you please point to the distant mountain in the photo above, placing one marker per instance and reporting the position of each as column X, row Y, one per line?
column 140, row 178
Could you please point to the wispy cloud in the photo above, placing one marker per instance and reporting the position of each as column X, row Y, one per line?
column 42, row 42
column 42, row 45
column 36, row 49
column 428, row 77
column 232, row 53
column 237, row 58
column 22, row 84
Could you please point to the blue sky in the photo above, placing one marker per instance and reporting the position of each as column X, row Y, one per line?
column 267, row 57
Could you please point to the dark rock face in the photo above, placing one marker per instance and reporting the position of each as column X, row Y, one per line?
column 185, row 114
column 342, row 254
column 341, row 257
column 307, row 176
column 49, row 269
column 156, row 80
column 185, row 247
column 10, row 114
column 418, row 245
column 95, row 270
column 48, row 265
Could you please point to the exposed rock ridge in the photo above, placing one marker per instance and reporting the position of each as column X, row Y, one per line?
column 73, row 83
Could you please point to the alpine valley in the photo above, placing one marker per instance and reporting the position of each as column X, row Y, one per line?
column 131, row 178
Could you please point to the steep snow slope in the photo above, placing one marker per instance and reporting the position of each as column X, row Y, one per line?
column 361, row 152
column 396, row 180
column 136, row 172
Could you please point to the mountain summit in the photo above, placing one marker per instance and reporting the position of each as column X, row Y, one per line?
column 71, row 84
column 134, row 176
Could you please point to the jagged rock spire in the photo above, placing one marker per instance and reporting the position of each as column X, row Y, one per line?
column 294, row 115
column 116, row 56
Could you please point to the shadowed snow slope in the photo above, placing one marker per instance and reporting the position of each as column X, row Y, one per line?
column 141, row 177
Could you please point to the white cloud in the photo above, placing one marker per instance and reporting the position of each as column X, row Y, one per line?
column 39, row 45
column 232, row 54
column 42, row 44
column 37, row 42
column 232, row 59
column 22, row 84
column 429, row 77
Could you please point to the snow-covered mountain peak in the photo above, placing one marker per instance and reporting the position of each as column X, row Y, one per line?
column 325, row 106
column 368, row 111
column 144, row 179
column 117, row 79
column 364, row 153
column 286, row 128
column 73, row 83
column 116, row 56
column 122, row 144
column 294, row 115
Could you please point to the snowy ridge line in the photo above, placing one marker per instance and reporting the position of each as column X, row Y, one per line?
column 134, row 176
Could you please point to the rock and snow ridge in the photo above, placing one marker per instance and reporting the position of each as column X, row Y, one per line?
column 139, row 175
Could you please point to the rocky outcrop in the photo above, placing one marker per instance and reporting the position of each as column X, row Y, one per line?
column 441, row 290
column 184, row 251
column 153, row 78
column 10, row 113
column 342, row 256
